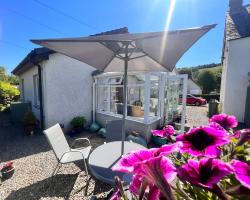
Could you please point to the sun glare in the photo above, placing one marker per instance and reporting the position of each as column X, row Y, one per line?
column 167, row 24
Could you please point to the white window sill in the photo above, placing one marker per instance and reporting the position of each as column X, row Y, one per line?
column 130, row 118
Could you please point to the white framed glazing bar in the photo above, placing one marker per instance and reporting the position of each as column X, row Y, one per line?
column 147, row 97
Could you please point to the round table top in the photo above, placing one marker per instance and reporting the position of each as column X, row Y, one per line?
column 104, row 157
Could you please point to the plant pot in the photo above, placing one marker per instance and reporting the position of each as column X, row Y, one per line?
column 29, row 129
column 7, row 173
column 159, row 141
column 75, row 131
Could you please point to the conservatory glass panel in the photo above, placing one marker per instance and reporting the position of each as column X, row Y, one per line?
column 136, row 101
column 116, row 99
column 102, row 98
column 173, row 90
column 154, row 96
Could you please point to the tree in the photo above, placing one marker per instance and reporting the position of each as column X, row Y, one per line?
column 3, row 76
column 207, row 81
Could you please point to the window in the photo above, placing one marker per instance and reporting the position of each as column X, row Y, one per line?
column 22, row 90
column 36, row 90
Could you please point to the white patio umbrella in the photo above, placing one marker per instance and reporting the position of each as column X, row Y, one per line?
column 155, row 51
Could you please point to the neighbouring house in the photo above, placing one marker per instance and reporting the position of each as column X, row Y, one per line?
column 193, row 88
column 236, row 60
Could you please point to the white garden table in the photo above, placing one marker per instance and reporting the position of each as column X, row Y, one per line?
column 104, row 157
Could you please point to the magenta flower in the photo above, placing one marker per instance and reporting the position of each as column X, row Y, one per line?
column 128, row 161
column 158, row 171
column 203, row 141
column 204, row 173
column 244, row 136
column 135, row 185
column 151, row 191
column 226, row 121
column 166, row 131
column 115, row 196
column 242, row 172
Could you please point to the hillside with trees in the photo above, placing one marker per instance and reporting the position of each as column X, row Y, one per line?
column 208, row 77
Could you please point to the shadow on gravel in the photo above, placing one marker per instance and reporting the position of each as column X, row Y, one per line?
column 14, row 143
column 59, row 185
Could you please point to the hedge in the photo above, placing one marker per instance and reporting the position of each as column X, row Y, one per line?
column 209, row 96
column 8, row 93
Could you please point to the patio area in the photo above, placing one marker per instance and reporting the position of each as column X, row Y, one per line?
column 34, row 162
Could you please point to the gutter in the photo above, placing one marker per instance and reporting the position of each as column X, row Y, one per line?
column 40, row 91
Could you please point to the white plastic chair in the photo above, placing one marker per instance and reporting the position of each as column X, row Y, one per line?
column 63, row 152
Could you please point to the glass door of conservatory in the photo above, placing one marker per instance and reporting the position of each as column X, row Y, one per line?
column 175, row 91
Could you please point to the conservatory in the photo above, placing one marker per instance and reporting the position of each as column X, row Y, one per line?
column 154, row 99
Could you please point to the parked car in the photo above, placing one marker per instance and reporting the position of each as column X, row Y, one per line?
column 192, row 100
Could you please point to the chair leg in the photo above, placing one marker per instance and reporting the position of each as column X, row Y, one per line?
column 56, row 169
column 86, row 169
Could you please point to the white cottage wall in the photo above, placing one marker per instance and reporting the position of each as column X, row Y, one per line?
column 28, row 89
column 67, row 90
column 235, row 78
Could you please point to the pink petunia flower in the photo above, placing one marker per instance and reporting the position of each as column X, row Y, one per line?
column 151, row 191
column 244, row 136
column 128, row 161
column 204, row 173
column 242, row 172
column 158, row 171
column 203, row 141
column 166, row 131
column 225, row 121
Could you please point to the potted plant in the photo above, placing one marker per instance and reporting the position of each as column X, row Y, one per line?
column 7, row 170
column 77, row 124
column 29, row 122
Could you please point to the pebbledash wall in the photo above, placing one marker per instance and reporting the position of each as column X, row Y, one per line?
column 235, row 79
column 67, row 89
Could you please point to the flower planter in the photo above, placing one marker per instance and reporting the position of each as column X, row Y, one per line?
column 7, row 172
column 159, row 141
column 75, row 131
column 29, row 129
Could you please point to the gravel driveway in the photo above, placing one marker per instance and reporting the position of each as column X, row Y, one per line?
column 196, row 115
column 34, row 162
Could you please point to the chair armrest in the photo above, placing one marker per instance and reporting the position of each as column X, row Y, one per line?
column 80, row 139
column 72, row 151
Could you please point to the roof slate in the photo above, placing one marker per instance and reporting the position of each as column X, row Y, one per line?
column 238, row 24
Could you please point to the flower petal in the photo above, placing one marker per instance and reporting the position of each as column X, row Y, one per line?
column 242, row 172
column 127, row 162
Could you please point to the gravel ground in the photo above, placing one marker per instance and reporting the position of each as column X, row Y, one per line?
column 34, row 162
column 197, row 115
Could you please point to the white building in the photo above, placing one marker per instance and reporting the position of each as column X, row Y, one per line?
column 193, row 88
column 236, row 60
column 66, row 86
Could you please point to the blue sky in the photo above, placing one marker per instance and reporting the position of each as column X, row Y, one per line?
column 23, row 20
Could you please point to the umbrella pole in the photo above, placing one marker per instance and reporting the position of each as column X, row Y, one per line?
column 125, row 80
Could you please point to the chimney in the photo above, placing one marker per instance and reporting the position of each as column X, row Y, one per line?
column 235, row 6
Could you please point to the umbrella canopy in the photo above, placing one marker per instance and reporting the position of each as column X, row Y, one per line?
column 156, row 51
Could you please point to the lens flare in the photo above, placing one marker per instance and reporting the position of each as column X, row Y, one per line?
column 166, row 28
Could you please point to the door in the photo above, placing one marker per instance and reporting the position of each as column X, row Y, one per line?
column 174, row 105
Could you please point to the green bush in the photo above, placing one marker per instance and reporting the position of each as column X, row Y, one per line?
column 8, row 93
column 78, row 121
column 29, row 118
